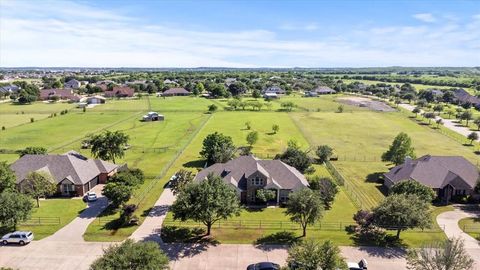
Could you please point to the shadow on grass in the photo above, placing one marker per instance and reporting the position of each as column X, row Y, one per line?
column 277, row 240
column 194, row 164
column 185, row 242
column 375, row 177
column 467, row 144
column 379, row 244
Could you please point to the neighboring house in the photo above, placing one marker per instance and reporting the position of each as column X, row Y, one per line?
column 176, row 92
column 168, row 81
column 153, row 116
column 311, row 94
column 270, row 95
column 120, row 92
column 248, row 174
column 447, row 175
column 9, row 89
column 324, row 90
column 274, row 89
column 463, row 96
column 95, row 100
column 73, row 173
column 62, row 94
column 229, row 81
column 74, row 84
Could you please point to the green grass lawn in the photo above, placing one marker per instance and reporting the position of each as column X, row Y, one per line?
column 359, row 139
column 63, row 209
column 471, row 226
column 176, row 132
column 36, row 107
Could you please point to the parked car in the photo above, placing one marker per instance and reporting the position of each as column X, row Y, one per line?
column 264, row 266
column 17, row 237
column 361, row 265
column 90, row 197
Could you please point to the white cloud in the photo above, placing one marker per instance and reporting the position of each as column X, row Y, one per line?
column 112, row 39
column 425, row 17
column 299, row 27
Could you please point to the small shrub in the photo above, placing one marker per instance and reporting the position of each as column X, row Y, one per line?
column 3, row 128
column 23, row 112
column 84, row 109
column 32, row 120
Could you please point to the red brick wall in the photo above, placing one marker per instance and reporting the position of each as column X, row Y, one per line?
column 79, row 190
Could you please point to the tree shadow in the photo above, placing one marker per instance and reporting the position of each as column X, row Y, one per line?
column 270, row 133
column 376, row 245
column 156, row 211
column 194, row 164
column 467, row 144
column 277, row 240
column 385, row 252
column 185, row 242
column 375, row 177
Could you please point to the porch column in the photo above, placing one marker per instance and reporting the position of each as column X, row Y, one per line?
column 278, row 196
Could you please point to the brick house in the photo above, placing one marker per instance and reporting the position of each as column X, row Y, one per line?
column 73, row 173
column 446, row 175
column 248, row 174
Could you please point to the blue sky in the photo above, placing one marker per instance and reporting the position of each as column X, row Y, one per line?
column 239, row 33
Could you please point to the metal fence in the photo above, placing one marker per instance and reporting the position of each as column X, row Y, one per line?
column 39, row 221
column 351, row 191
column 282, row 225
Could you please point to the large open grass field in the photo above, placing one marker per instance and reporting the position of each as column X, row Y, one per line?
column 13, row 115
column 359, row 137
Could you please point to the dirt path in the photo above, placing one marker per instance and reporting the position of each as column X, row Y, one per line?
column 448, row 123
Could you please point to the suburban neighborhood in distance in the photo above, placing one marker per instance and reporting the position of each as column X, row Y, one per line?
column 255, row 136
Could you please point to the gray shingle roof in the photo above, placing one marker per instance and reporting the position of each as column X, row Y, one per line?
column 236, row 172
column 71, row 165
column 437, row 172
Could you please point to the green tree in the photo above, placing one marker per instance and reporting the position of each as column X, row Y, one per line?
column 181, row 179
column 311, row 255
column 33, row 150
column 467, row 116
column 218, row 148
column 340, row 109
column 304, row 206
column 326, row 188
column 438, row 108
column 109, row 145
column 287, row 106
column 14, row 208
column 399, row 149
column 256, row 94
column 472, row 137
column 439, row 122
column 8, row 179
column 449, row 254
column 132, row 256
column 248, row 125
column 117, row 193
column 295, row 157
column 237, row 88
column 132, row 178
column 198, row 89
column 429, row 116
column 265, row 195
column 416, row 111
column 207, row 201
column 252, row 138
column 275, row 128
column 477, row 123
column 414, row 188
column 324, row 152
column 401, row 212
column 38, row 184
column 212, row 108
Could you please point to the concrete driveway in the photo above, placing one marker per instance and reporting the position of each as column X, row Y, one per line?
column 450, row 219
column 73, row 231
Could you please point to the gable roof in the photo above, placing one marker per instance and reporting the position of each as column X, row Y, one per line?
column 236, row 172
column 463, row 96
column 437, row 172
column 120, row 91
column 176, row 91
column 61, row 93
column 324, row 89
column 71, row 165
